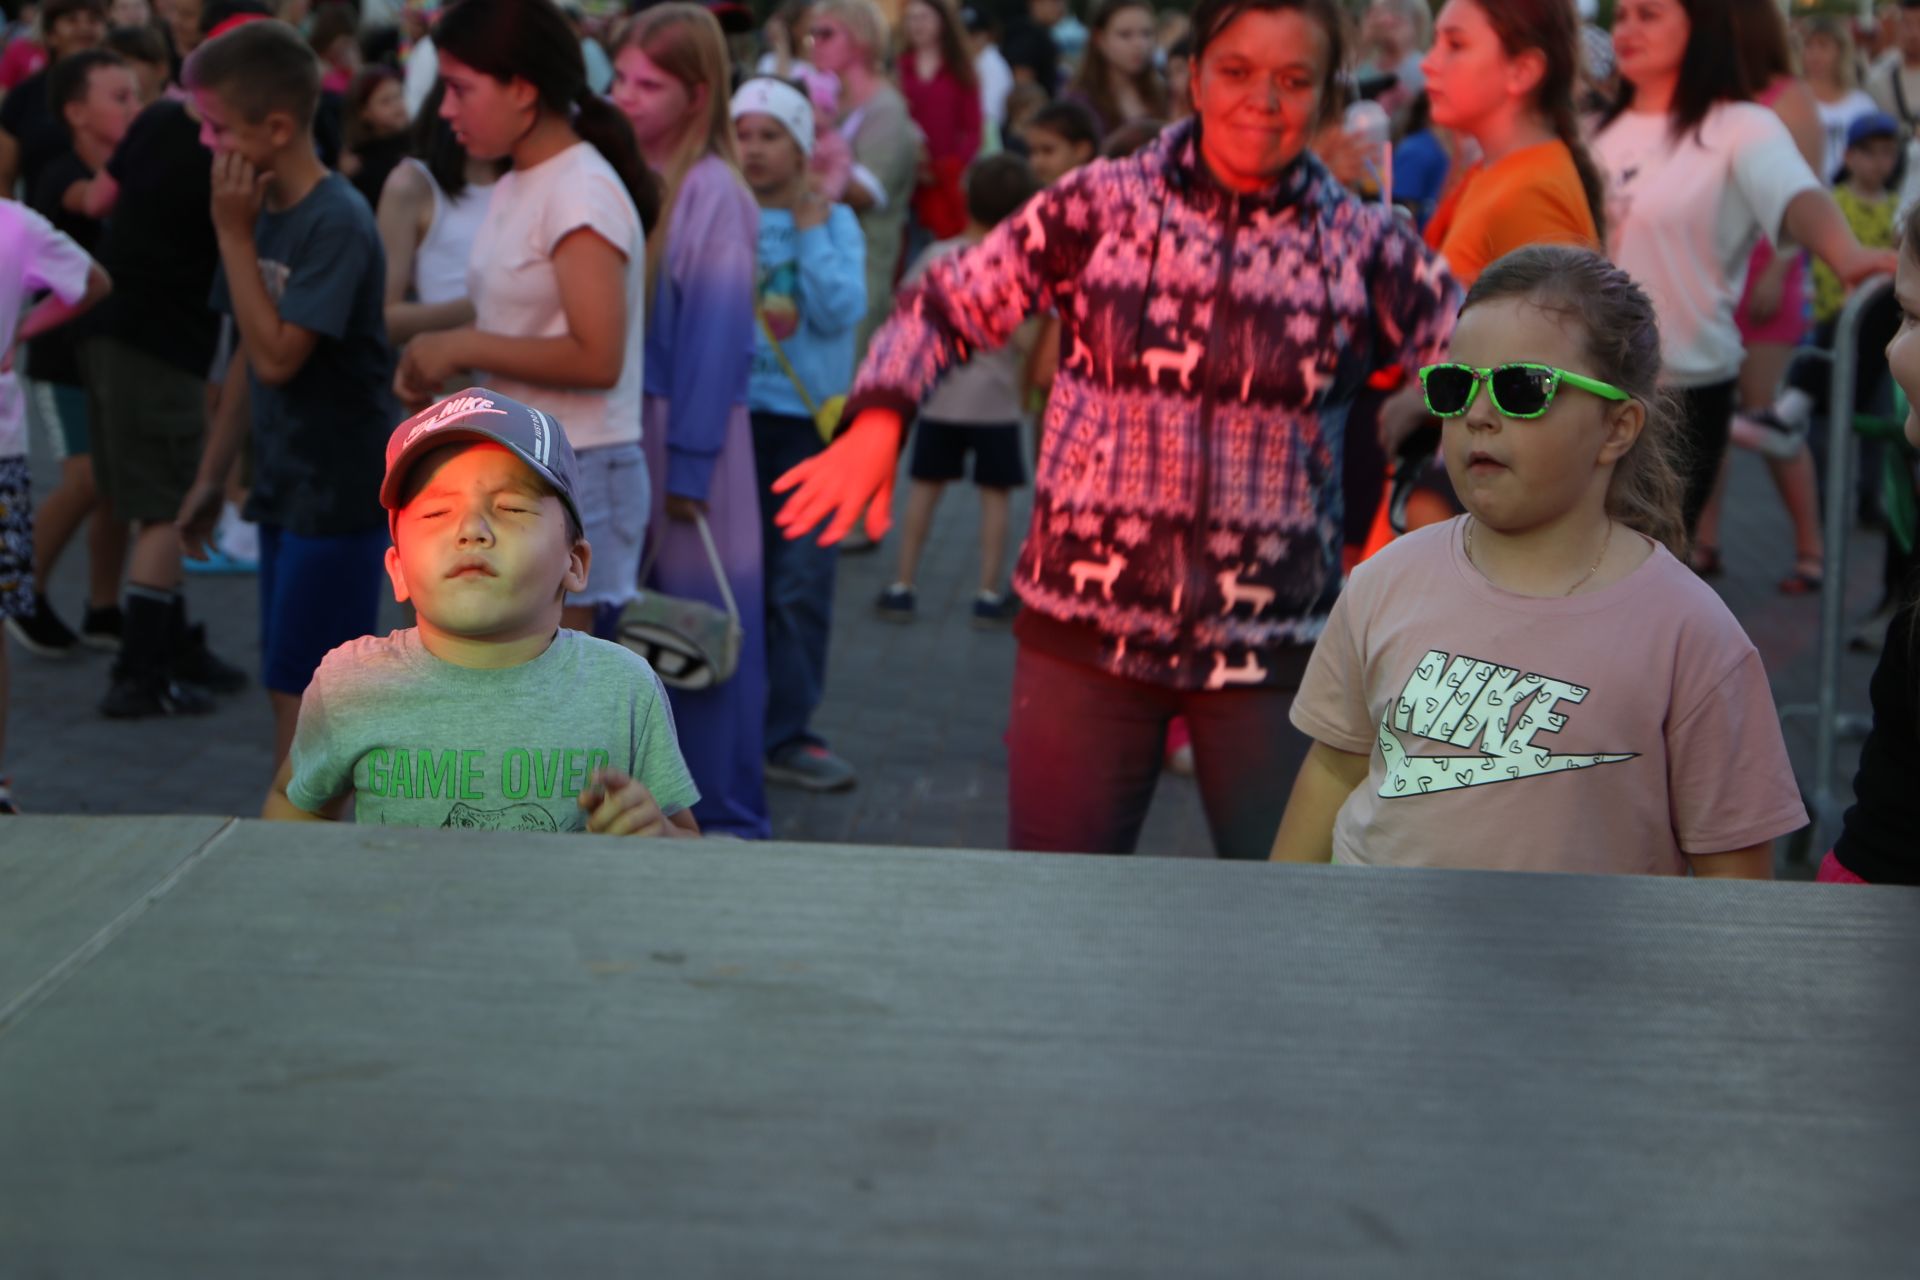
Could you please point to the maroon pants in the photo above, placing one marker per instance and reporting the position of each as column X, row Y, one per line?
column 1085, row 750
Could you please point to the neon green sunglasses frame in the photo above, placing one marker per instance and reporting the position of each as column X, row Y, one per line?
column 1606, row 391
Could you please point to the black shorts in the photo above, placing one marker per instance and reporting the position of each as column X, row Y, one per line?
column 940, row 453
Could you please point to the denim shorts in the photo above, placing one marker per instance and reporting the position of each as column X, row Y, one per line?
column 614, row 496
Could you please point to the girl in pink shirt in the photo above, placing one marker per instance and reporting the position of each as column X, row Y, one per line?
column 1541, row 684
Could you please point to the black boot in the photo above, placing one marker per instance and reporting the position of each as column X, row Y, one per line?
column 194, row 663
column 141, row 683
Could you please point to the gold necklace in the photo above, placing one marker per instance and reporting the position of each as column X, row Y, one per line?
column 1583, row 577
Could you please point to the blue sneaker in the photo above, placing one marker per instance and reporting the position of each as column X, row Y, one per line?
column 219, row 562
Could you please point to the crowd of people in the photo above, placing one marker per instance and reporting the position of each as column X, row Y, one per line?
column 1359, row 362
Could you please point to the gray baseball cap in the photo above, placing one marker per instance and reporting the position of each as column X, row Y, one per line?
column 482, row 414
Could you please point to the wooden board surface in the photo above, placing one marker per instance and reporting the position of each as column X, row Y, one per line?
column 347, row 1051
column 66, row 880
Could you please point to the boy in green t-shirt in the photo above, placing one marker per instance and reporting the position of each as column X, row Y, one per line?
column 487, row 714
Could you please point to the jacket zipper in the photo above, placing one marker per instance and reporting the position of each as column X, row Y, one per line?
column 1196, row 559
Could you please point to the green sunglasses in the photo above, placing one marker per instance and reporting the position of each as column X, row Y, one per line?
column 1518, row 390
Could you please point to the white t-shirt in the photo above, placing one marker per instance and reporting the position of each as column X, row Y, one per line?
column 996, row 83
column 34, row 256
column 1684, row 214
column 515, row 291
column 1835, row 119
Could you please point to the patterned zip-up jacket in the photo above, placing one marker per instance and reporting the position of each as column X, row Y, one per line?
column 1187, row 520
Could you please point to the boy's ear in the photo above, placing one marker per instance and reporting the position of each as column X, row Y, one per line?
column 281, row 129
column 397, row 575
column 579, row 559
column 1625, row 422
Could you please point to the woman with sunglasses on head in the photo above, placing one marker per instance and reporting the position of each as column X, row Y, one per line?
column 1697, row 174
column 1541, row 684
column 1222, row 300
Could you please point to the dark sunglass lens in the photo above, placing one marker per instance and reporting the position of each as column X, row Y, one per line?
column 1520, row 390
column 1448, row 388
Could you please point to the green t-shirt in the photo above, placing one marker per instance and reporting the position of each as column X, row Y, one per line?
column 424, row 743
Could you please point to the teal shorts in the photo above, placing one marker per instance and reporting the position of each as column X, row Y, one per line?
column 62, row 411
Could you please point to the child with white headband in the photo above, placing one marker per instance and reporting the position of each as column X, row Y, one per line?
column 810, row 294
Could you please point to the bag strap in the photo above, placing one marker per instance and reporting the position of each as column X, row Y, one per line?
column 779, row 353
column 713, row 559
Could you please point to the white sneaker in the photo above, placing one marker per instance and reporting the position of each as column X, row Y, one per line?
column 1763, row 432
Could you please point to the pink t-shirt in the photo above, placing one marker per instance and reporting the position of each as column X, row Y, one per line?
column 1613, row 731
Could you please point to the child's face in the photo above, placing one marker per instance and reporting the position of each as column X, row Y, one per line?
column 482, row 547
column 111, row 102
column 1871, row 162
column 1052, row 157
column 487, row 115
column 1522, row 474
column 770, row 159
column 76, row 30
column 386, row 109
column 225, row 131
column 1903, row 353
column 657, row 103
column 1469, row 76
column 151, row 77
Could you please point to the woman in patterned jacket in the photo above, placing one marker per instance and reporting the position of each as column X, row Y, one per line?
column 1222, row 298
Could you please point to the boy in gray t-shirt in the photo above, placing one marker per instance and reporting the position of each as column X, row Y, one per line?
column 487, row 714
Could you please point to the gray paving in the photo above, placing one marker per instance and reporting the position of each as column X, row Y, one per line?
column 920, row 709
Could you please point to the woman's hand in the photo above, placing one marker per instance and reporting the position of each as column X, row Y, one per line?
column 854, row 474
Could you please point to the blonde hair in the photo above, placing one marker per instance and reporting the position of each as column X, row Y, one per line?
column 866, row 25
column 685, row 41
column 1622, row 339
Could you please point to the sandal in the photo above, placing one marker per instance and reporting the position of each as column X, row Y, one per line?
column 1806, row 580
column 1705, row 561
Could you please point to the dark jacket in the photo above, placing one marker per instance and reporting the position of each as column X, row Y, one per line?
column 1187, row 521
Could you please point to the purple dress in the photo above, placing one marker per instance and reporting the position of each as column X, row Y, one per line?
column 699, row 444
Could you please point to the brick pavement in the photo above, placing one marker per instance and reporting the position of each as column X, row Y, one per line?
column 921, row 709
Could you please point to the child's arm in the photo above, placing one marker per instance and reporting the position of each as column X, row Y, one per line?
column 406, row 208
column 54, row 311
column 832, row 258
column 275, row 349
column 200, row 509
column 279, row 808
column 617, row 805
column 1755, row 862
column 1327, row 777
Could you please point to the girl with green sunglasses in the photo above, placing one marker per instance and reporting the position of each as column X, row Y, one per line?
column 1541, row 684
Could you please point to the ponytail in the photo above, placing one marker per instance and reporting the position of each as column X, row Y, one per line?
column 600, row 123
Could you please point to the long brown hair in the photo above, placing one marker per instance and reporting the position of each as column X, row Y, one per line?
column 1551, row 27
column 1094, row 80
column 685, row 41
column 1622, row 340
column 954, row 53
